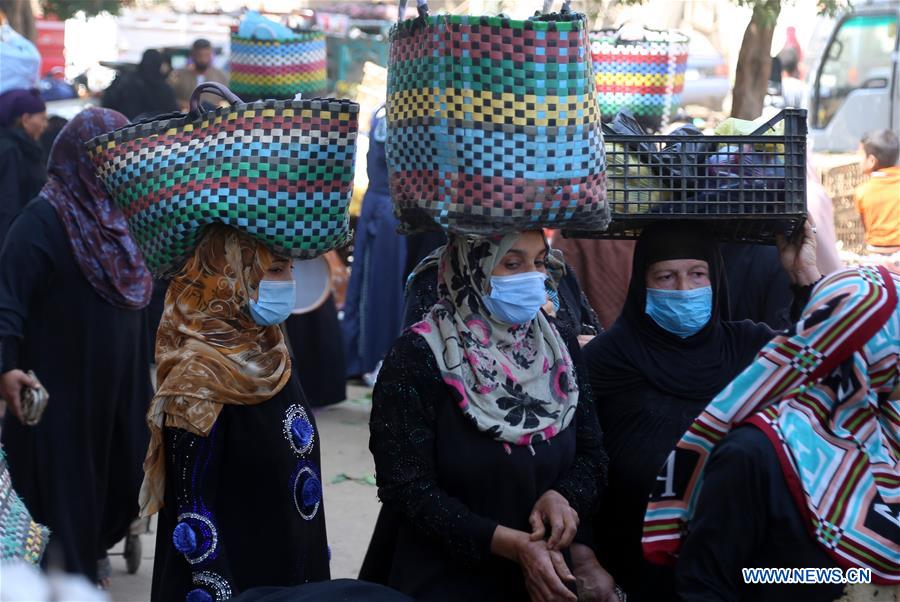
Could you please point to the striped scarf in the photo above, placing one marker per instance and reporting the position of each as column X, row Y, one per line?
column 819, row 392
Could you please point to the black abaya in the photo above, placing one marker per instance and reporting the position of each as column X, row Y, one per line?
column 251, row 493
column 449, row 485
column 316, row 342
column 79, row 469
column 649, row 385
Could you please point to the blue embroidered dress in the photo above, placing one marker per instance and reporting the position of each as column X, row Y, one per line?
column 243, row 506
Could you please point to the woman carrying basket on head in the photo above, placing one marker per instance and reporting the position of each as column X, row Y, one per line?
column 233, row 461
column 228, row 425
column 482, row 429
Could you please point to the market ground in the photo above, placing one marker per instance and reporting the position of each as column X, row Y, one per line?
column 351, row 505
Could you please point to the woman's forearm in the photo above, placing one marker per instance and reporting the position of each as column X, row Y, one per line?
column 505, row 542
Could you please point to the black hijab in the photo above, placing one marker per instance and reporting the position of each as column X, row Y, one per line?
column 637, row 352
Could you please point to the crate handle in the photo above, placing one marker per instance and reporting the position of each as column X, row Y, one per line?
column 769, row 124
column 421, row 7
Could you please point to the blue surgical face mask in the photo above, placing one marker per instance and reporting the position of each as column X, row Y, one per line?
column 682, row 313
column 276, row 301
column 518, row 298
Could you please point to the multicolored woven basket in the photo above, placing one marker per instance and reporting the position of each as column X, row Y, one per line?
column 494, row 125
column 279, row 68
column 645, row 75
column 20, row 537
column 281, row 171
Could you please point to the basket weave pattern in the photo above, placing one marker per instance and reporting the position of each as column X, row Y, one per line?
column 278, row 68
column 493, row 125
column 281, row 171
column 645, row 77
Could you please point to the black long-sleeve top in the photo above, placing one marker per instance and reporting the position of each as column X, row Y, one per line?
column 452, row 484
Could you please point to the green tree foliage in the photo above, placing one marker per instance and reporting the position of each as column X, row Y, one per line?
column 66, row 9
column 754, row 61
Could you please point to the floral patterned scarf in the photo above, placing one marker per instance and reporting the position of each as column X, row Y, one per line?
column 516, row 383
column 209, row 351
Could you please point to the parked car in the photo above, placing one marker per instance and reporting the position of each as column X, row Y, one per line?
column 855, row 85
column 706, row 81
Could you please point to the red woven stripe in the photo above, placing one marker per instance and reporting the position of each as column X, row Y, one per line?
column 624, row 89
column 485, row 43
column 278, row 69
column 407, row 186
column 653, row 59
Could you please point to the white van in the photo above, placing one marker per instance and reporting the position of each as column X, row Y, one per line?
column 855, row 86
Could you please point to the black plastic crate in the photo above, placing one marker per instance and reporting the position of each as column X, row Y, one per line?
column 748, row 188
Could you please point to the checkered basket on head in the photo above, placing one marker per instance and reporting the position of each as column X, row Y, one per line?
column 279, row 68
column 282, row 171
column 493, row 124
column 643, row 73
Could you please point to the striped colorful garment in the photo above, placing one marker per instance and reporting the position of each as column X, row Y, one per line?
column 819, row 392
column 493, row 125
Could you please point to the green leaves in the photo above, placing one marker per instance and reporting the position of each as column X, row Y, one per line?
column 67, row 9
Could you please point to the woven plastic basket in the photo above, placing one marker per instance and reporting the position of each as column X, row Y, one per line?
column 494, row 125
column 279, row 69
column 643, row 75
column 282, row 171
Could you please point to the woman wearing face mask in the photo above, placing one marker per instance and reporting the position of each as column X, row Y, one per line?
column 654, row 371
column 482, row 432
column 233, row 462
column 795, row 462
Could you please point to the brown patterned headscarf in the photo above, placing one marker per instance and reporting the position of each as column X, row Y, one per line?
column 209, row 351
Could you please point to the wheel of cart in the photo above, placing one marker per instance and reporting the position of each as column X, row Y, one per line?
column 133, row 551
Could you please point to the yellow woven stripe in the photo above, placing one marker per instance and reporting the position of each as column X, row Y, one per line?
column 492, row 108
column 270, row 80
column 636, row 79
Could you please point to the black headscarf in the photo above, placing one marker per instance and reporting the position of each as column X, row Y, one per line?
column 636, row 351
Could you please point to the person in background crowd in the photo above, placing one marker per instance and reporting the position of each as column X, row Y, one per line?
column 821, row 213
column 54, row 126
column 759, row 289
column 72, row 288
column 144, row 92
column 315, row 337
column 233, row 462
column 200, row 70
column 793, row 88
column 23, row 171
column 796, row 460
column 878, row 200
column 669, row 353
column 373, row 311
column 472, row 480
column 603, row 268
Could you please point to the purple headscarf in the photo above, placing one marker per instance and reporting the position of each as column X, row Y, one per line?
column 15, row 103
column 98, row 232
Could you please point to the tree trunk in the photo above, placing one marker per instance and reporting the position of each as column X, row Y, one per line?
column 754, row 62
column 20, row 17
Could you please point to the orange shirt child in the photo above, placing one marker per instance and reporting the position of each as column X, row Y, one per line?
column 878, row 202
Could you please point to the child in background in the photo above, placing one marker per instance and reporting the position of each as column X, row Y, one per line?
column 878, row 200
